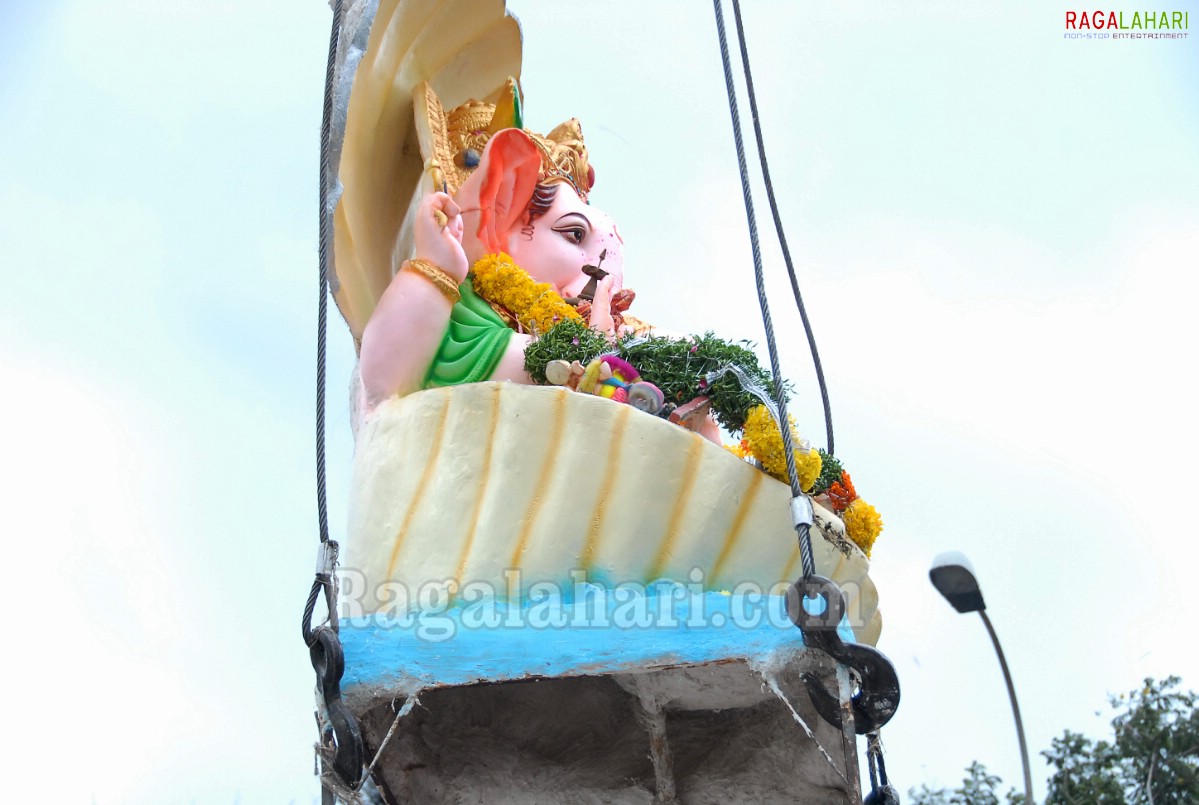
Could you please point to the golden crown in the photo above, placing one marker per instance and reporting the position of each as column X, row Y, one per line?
column 452, row 142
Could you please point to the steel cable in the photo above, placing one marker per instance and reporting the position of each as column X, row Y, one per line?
column 322, row 506
column 323, row 283
column 805, row 545
column 778, row 226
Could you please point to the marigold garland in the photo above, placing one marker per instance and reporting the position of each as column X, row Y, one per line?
column 764, row 441
column 739, row 450
column 842, row 494
column 536, row 305
column 863, row 524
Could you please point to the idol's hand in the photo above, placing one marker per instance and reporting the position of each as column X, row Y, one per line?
column 438, row 235
column 601, row 308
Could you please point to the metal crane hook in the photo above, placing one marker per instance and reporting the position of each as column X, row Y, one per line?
column 877, row 697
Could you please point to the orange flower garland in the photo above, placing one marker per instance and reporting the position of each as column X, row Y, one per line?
column 841, row 494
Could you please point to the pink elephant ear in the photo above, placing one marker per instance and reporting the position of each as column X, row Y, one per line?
column 510, row 165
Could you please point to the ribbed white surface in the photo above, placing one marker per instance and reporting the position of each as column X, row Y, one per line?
column 464, row 483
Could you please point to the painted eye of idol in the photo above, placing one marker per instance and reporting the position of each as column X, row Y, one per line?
column 574, row 227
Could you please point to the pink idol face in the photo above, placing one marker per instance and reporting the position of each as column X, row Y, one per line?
column 569, row 236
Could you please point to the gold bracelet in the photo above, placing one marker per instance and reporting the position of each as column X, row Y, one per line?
column 443, row 281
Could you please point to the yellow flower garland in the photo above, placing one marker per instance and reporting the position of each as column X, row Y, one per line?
column 863, row 524
column 763, row 440
column 536, row 305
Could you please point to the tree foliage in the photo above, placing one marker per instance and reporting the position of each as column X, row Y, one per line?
column 1083, row 771
column 978, row 788
column 1152, row 758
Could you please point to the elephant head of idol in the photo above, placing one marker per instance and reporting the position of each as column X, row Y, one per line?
column 527, row 195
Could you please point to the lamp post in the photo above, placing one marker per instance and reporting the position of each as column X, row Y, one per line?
column 953, row 576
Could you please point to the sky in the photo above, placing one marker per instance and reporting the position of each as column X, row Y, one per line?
column 997, row 235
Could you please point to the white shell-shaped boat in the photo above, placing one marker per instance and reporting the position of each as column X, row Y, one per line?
column 500, row 487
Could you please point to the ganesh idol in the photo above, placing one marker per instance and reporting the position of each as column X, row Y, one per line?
column 462, row 241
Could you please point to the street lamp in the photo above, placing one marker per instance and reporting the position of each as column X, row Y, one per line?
column 953, row 576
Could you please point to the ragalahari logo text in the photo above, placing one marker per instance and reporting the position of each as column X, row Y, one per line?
column 1127, row 25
